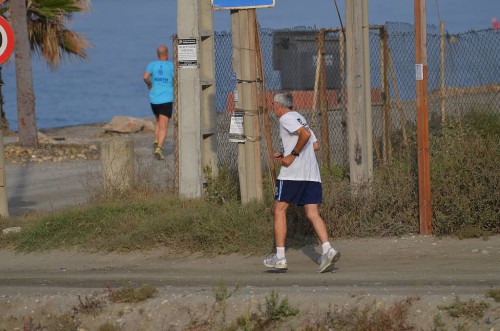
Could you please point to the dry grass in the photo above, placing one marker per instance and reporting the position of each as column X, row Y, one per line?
column 64, row 322
column 109, row 327
column 132, row 294
column 91, row 306
column 366, row 318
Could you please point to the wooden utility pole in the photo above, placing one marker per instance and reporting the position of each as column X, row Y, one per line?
column 424, row 178
column 368, row 167
column 244, row 32
column 323, row 100
column 386, row 95
column 443, row 71
column 358, row 106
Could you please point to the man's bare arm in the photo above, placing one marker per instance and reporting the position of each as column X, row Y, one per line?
column 147, row 79
column 304, row 136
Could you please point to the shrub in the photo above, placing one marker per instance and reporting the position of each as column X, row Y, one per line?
column 465, row 179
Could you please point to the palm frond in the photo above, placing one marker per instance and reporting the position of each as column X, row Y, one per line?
column 53, row 44
column 49, row 38
column 56, row 9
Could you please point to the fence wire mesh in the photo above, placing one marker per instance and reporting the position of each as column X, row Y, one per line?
column 463, row 76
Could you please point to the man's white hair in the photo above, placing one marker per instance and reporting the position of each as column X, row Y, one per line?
column 284, row 98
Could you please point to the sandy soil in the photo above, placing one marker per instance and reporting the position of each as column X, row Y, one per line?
column 45, row 286
column 40, row 186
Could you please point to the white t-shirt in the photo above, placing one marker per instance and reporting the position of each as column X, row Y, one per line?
column 305, row 166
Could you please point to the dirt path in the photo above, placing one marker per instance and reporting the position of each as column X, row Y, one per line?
column 385, row 270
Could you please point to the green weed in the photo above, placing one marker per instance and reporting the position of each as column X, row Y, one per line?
column 438, row 324
column 222, row 293
column 468, row 309
column 277, row 310
column 494, row 293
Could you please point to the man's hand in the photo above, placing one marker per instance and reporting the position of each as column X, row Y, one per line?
column 285, row 161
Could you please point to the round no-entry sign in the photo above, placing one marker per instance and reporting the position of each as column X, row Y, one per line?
column 6, row 40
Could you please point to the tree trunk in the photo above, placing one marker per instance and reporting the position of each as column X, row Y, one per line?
column 26, row 118
column 5, row 123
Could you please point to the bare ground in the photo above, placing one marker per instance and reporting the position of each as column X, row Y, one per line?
column 44, row 286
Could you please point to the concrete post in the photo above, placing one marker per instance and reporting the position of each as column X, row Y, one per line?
column 197, row 143
column 189, row 104
column 208, row 87
column 117, row 164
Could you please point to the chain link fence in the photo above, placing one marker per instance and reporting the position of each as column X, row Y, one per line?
column 463, row 75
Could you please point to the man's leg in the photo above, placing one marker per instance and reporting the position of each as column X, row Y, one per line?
column 157, row 129
column 312, row 214
column 278, row 260
column 280, row 208
column 330, row 255
column 162, row 129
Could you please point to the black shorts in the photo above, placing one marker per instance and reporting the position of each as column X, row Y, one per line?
column 162, row 109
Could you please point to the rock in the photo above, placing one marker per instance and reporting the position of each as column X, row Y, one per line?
column 44, row 139
column 127, row 124
column 148, row 126
column 14, row 229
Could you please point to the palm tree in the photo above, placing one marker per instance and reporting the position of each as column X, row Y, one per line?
column 39, row 26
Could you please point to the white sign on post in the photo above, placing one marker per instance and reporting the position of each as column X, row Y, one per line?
column 236, row 132
column 187, row 54
column 419, row 71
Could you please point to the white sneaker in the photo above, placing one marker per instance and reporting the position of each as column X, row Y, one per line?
column 276, row 262
column 327, row 260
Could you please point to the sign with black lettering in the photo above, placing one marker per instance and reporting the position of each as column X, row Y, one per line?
column 187, row 53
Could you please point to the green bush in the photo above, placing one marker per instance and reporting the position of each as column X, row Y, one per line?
column 465, row 178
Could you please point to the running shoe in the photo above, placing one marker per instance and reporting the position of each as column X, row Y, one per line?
column 327, row 261
column 158, row 153
column 276, row 262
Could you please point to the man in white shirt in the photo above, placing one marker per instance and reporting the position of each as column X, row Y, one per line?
column 299, row 182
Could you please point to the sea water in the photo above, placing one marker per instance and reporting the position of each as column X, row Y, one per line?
column 126, row 33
